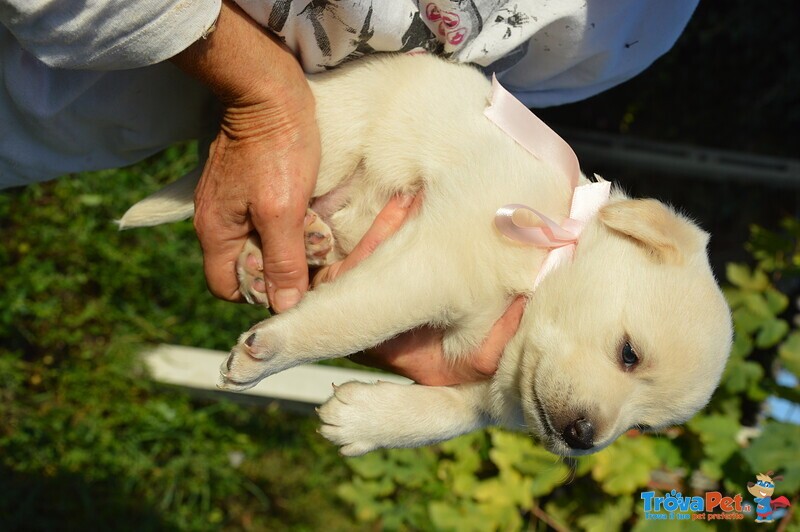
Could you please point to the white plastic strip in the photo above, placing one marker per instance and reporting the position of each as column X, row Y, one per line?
column 197, row 368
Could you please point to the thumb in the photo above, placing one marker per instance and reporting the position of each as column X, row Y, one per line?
column 485, row 362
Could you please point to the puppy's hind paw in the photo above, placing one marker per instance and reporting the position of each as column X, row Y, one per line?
column 319, row 240
column 250, row 273
column 349, row 419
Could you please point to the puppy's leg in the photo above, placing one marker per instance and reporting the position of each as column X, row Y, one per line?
column 362, row 417
column 379, row 299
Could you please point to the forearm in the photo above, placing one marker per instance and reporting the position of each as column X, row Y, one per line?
column 109, row 35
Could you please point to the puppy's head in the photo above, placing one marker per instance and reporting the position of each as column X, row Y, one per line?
column 634, row 332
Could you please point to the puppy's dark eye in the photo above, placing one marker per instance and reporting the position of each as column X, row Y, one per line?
column 629, row 356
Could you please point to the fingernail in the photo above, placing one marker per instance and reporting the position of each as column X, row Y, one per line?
column 286, row 298
column 406, row 200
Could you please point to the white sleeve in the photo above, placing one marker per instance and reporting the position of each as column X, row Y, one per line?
column 110, row 34
column 586, row 47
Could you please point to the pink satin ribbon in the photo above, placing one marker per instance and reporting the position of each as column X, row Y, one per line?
column 516, row 120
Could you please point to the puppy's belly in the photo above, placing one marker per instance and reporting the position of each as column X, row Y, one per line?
column 351, row 206
column 333, row 201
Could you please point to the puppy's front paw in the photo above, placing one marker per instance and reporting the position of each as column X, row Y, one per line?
column 353, row 418
column 251, row 360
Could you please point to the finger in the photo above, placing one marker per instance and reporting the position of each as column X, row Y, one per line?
column 219, row 266
column 221, row 244
column 485, row 362
column 415, row 354
column 388, row 221
column 283, row 253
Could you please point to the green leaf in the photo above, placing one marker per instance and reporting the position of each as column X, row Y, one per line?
column 371, row 465
column 776, row 450
column 789, row 353
column 460, row 472
column 740, row 375
column 771, row 333
column 757, row 303
column 718, row 435
column 516, row 452
column 739, row 275
column 742, row 346
column 509, row 490
column 367, row 497
column 745, row 321
column 668, row 453
column 563, row 511
column 465, row 516
column 776, row 300
column 91, row 200
column 784, row 392
column 412, row 468
column 611, row 517
column 733, row 295
column 583, row 465
column 626, row 465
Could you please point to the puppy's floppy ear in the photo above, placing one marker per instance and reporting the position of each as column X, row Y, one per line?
column 668, row 236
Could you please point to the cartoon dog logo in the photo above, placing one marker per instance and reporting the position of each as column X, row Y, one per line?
column 762, row 491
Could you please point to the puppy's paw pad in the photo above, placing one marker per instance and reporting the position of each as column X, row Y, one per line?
column 318, row 239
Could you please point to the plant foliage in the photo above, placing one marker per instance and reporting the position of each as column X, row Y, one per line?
column 87, row 441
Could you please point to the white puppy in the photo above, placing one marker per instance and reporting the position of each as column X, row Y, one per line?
column 632, row 332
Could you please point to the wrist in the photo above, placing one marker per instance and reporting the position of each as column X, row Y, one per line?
column 245, row 66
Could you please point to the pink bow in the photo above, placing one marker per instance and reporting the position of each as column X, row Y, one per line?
column 516, row 120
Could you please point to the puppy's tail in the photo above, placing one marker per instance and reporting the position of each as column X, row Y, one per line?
column 173, row 203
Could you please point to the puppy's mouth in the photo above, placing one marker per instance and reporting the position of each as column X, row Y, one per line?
column 552, row 438
column 541, row 416
column 547, row 433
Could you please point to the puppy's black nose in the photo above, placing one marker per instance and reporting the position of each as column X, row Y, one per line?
column 579, row 434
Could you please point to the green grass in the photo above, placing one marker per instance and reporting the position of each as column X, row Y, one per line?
column 86, row 438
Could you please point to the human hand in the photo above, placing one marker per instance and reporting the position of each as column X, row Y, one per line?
column 263, row 164
column 417, row 354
